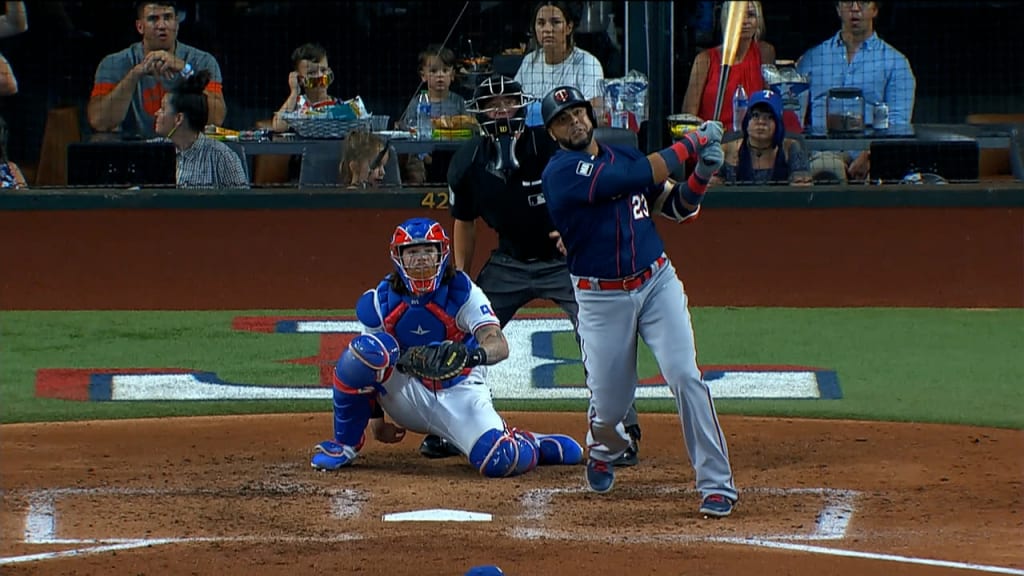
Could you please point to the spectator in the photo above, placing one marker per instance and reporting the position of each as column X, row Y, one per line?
column 437, row 70
column 8, row 82
column 13, row 21
column 707, row 68
column 555, row 60
column 764, row 154
column 202, row 162
column 131, row 84
column 10, row 174
column 856, row 57
column 307, row 84
column 363, row 159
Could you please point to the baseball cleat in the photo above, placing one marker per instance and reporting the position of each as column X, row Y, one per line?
column 600, row 476
column 558, row 449
column 437, row 447
column 716, row 506
column 330, row 455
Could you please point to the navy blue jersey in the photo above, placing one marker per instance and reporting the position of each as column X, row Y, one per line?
column 600, row 206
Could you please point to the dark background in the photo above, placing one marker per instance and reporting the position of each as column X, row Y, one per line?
column 966, row 55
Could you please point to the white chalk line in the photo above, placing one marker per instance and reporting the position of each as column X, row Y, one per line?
column 831, row 524
column 868, row 555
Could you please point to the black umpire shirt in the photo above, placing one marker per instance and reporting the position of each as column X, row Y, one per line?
column 514, row 206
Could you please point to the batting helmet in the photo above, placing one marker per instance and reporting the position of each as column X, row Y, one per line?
column 562, row 98
column 426, row 278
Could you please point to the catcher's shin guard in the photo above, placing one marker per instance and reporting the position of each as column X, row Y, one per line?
column 351, row 415
column 501, row 453
column 558, row 449
column 331, row 455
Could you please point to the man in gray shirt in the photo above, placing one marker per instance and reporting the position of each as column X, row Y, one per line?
column 130, row 84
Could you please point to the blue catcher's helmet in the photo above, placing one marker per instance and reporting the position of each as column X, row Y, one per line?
column 368, row 360
column 422, row 274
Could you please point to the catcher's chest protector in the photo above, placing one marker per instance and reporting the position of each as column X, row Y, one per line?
column 423, row 320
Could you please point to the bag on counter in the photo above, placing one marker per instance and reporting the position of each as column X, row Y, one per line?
column 631, row 89
column 782, row 77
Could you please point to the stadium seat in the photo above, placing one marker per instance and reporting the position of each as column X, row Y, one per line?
column 62, row 128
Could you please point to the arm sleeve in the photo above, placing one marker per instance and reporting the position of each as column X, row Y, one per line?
column 899, row 93
column 206, row 61
column 231, row 171
column 476, row 312
column 460, row 194
column 614, row 179
column 592, row 81
column 111, row 70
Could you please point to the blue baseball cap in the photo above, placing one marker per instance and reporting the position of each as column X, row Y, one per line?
column 773, row 100
column 489, row 570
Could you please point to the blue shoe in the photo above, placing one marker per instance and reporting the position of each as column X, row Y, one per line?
column 716, row 506
column 558, row 449
column 600, row 476
column 330, row 455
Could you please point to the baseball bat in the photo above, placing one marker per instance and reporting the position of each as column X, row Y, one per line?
column 730, row 44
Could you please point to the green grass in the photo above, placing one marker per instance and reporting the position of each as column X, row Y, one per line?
column 927, row 365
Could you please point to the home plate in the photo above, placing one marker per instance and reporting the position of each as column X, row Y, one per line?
column 437, row 515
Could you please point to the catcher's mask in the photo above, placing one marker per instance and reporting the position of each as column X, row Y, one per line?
column 420, row 250
column 500, row 109
column 368, row 360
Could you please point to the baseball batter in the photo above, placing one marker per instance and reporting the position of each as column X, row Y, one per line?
column 423, row 302
column 601, row 199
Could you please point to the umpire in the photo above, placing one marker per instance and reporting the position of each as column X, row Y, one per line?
column 497, row 177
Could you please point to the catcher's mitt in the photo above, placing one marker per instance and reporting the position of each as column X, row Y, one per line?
column 439, row 361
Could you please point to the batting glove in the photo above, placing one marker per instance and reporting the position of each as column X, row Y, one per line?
column 708, row 133
column 711, row 159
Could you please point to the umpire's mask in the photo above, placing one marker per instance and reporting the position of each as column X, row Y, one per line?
column 500, row 109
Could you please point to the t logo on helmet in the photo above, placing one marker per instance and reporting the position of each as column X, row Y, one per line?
column 561, row 96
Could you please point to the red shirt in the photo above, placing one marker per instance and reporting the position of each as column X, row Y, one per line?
column 746, row 72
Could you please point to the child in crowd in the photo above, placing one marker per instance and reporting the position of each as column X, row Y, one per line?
column 437, row 71
column 307, row 84
column 363, row 158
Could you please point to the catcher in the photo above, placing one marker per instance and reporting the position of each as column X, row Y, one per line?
column 429, row 334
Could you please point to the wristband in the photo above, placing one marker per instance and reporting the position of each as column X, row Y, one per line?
column 476, row 358
column 187, row 71
column 675, row 155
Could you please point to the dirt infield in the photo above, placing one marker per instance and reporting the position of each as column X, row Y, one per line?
column 235, row 495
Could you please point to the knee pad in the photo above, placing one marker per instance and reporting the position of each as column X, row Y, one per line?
column 501, row 453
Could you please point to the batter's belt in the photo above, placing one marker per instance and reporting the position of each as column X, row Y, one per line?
column 627, row 284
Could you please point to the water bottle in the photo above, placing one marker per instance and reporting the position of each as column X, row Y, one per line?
column 619, row 113
column 424, row 126
column 739, row 108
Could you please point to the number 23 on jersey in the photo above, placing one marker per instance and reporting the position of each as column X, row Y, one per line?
column 639, row 203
